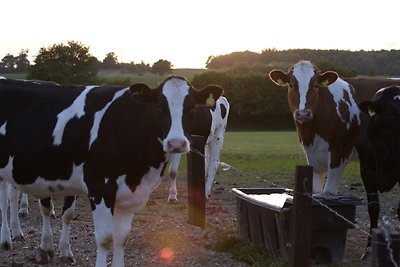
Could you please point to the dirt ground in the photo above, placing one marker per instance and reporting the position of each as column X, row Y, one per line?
column 161, row 235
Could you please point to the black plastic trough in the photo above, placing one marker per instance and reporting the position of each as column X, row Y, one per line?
column 264, row 217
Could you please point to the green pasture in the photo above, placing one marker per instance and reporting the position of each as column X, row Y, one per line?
column 264, row 158
column 14, row 75
column 120, row 78
column 150, row 79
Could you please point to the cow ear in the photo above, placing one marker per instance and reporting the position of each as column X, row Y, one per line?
column 367, row 107
column 142, row 92
column 208, row 95
column 327, row 78
column 279, row 77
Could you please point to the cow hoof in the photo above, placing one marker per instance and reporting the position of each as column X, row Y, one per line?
column 151, row 203
column 68, row 260
column 172, row 201
column 6, row 246
column 19, row 238
column 45, row 256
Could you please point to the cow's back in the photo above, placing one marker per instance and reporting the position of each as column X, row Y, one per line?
column 46, row 128
column 365, row 88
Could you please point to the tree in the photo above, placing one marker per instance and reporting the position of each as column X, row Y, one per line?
column 7, row 64
column 143, row 68
column 161, row 67
column 12, row 64
column 22, row 63
column 65, row 64
column 110, row 61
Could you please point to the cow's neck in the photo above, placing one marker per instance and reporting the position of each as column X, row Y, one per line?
column 322, row 124
column 306, row 133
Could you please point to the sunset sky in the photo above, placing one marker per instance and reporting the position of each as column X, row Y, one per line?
column 186, row 32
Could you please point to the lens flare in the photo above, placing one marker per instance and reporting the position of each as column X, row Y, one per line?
column 167, row 254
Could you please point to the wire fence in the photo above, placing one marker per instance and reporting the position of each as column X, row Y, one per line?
column 385, row 220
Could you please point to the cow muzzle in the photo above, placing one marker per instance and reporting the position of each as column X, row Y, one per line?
column 303, row 116
column 177, row 145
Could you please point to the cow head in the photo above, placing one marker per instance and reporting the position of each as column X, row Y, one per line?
column 175, row 100
column 383, row 134
column 304, row 81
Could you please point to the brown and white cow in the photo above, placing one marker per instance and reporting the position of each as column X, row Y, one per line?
column 329, row 125
column 326, row 117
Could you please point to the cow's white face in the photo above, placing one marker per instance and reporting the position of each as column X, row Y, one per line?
column 175, row 100
column 304, row 81
column 175, row 91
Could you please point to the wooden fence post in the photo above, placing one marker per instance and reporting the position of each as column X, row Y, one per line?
column 301, row 220
column 381, row 255
column 196, row 182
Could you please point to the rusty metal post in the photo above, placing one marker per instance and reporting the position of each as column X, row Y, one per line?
column 196, row 181
column 301, row 222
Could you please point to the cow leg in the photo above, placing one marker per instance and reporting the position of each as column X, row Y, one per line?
column 122, row 222
column 24, row 206
column 67, row 216
column 317, row 158
column 318, row 182
column 5, row 243
column 46, row 251
column 103, row 231
column 333, row 179
column 372, row 197
column 173, row 174
column 14, row 218
column 213, row 150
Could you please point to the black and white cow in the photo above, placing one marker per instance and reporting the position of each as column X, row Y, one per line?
column 380, row 163
column 209, row 122
column 110, row 143
column 11, row 196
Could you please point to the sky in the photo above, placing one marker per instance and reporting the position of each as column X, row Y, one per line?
column 187, row 32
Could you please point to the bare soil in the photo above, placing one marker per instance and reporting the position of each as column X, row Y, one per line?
column 161, row 235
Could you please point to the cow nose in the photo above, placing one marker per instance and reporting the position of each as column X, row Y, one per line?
column 177, row 145
column 302, row 116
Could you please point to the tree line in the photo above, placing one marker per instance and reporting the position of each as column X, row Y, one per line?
column 347, row 63
column 72, row 63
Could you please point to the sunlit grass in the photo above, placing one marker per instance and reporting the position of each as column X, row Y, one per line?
column 263, row 158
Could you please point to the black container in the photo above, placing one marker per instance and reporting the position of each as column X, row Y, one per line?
column 269, row 225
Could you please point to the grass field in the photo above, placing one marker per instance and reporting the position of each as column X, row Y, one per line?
column 148, row 78
column 118, row 78
column 265, row 158
column 14, row 75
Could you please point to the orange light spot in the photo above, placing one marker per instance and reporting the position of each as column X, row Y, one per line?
column 166, row 254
